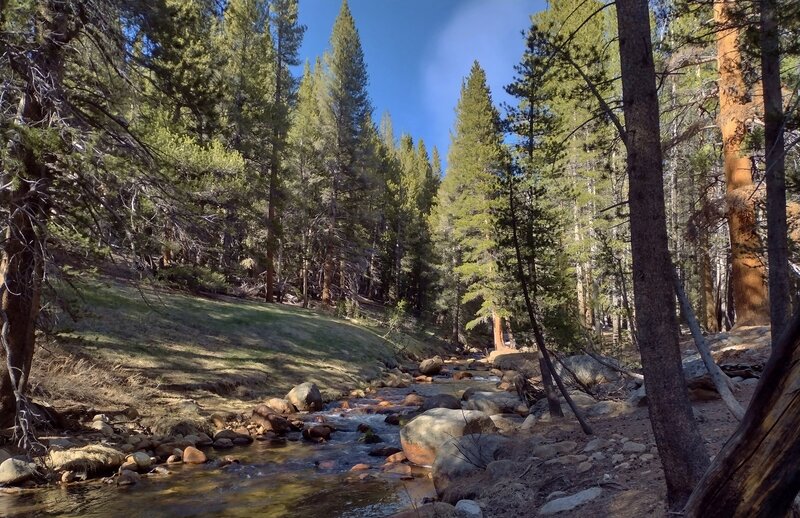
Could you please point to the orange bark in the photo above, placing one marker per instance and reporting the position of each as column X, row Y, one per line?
column 497, row 327
column 748, row 272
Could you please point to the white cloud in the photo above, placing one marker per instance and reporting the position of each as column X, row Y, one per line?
column 489, row 31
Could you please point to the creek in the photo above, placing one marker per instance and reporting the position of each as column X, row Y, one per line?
column 269, row 481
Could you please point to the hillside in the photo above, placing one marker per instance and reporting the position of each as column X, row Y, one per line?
column 131, row 345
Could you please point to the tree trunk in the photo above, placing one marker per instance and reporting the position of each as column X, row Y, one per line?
column 747, row 277
column 679, row 443
column 755, row 474
column 497, row 331
column 327, row 278
column 777, row 239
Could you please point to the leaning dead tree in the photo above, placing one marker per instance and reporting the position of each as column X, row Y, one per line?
column 755, row 474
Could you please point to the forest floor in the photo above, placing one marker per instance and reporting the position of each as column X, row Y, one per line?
column 151, row 348
column 632, row 482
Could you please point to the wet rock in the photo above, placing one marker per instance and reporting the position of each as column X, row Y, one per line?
column 397, row 468
column 317, row 433
column 469, row 509
column 16, row 471
column 192, row 455
column 94, row 458
column 271, row 422
column 370, row 438
column 384, row 451
column 462, row 375
column 397, row 457
column 128, row 478
column 431, row 366
column 223, row 444
column 464, row 456
column 441, row 401
column 423, row 435
column 413, row 399
column 68, row 477
column 393, row 419
column 141, row 460
column 174, row 459
column 305, row 397
column 568, row 503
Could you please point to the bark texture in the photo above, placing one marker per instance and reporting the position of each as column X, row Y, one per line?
column 748, row 272
column 777, row 238
column 755, row 474
column 679, row 443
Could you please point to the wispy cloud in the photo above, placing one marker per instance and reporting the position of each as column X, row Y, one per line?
column 489, row 31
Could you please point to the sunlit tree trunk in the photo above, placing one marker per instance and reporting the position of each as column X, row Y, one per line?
column 748, row 272
column 497, row 331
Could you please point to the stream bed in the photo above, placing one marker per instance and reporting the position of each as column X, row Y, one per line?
column 269, row 481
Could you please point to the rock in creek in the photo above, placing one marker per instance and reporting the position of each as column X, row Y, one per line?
column 305, row 397
column 431, row 366
column 422, row 437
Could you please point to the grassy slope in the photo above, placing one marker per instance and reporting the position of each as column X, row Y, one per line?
column 199, row 347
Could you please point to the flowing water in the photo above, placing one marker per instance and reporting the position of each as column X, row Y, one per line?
column 270, row 481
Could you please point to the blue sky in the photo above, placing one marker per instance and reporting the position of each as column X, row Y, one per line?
column 418, row 52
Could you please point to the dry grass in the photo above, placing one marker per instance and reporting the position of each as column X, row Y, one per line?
column 147, row 347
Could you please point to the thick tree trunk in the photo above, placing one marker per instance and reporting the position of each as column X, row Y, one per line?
column 777, row 238
column 679, row 443
column 327, row 279
column 747, row 277
column 708, row 300
column 755, row 474
column 497, row 331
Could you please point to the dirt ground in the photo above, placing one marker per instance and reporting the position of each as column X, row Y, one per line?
column 634, row 486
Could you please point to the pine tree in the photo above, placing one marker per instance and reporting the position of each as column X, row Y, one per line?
column 287, row 36
column 468, row 198
column 347, row 119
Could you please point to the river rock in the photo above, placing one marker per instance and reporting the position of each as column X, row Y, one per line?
column 462, row 375
column 171, row 426
column 384, row 451
column 464, row 456
column 128, row 478
column 423, row 435
column 511, row 360
column 587, row 370
column 305, row 397
column 317, row 433
column 94, row 458
column 192, row 455
column 568, row 503
column 413, row 399
column 280, row 406
column 270, row 421
column 492, row 403
column 141, row 460
column 431, row 366
column 16, row 471
column 441, row 401
column 223, row 444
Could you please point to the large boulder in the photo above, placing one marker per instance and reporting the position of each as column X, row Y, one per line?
column 492, row 403
column 441, row 401
column 465, row 456
column 587, row 370
column 431, row 366
column 510, row 359
column 422, row 437
column 305, row 397
column 94, row 458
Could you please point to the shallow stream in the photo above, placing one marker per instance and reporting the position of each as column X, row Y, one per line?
column 270, row 481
